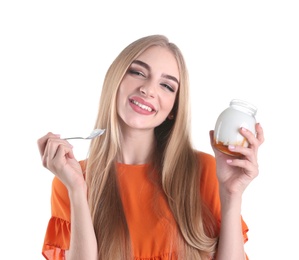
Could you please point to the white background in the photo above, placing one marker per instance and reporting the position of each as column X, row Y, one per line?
column 53, row 57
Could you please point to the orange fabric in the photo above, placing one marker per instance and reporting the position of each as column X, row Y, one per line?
column 151, row 230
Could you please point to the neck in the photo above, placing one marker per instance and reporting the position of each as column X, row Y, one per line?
column 137, row 146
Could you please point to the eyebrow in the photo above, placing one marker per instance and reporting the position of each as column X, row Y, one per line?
column 146, row 66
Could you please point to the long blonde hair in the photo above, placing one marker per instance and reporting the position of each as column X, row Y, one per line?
column 175, row 162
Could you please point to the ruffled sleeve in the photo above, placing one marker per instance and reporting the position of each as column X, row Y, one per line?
column 58, row 232
column 57, row 237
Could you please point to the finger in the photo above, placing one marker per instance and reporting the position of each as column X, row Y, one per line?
column 53, row 144
column 259, row 133
column 57, row 157
column 49, row 151
column 249, row 169
column 249, row 153
column 250, row 137
column 63, row 152
column 254, row 140
column 42, row 142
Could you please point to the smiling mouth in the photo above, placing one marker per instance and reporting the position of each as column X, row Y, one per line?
column 142, row 106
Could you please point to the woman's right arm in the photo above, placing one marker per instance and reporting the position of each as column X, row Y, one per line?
column 57, row 156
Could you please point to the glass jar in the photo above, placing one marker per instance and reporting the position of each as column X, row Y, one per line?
column 239, row 114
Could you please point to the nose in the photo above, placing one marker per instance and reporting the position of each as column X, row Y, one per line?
column 148, row 90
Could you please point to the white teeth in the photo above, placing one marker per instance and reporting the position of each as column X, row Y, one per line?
column 142, row 106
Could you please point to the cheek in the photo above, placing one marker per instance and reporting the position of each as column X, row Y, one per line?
column 168, row 103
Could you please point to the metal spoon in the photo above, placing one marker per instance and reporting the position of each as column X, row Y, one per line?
column 93, row 134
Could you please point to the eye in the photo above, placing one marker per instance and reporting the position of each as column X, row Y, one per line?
column 168, row 87
column 136, row 72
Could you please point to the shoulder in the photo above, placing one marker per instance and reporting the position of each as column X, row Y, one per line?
column 204, row 155
column 205, row 160
column 207, row 173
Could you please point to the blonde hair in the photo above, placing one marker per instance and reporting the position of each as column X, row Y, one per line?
column 175, row 162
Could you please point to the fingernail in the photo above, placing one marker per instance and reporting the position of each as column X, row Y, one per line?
column 243, row 129
column 231, row 147
column 229, row 161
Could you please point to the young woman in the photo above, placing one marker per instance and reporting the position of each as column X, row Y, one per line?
column 144, row 192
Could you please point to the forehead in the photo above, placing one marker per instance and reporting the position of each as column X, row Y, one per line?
column 160, row 59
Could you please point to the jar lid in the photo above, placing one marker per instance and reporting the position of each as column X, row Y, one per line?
column 244, row 104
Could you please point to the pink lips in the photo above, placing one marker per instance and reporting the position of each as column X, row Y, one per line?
column 140, row 110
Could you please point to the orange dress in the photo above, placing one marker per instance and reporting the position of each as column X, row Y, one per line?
column 150, row 231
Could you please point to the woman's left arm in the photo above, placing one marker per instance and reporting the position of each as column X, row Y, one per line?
column 234, row 175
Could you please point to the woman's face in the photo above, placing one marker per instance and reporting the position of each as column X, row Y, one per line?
column 148, row 90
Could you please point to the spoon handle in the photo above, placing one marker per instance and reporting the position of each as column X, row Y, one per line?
column 69, row 138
